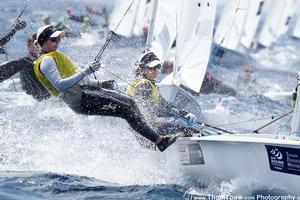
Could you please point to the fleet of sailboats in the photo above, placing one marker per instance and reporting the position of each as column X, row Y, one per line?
column 212, row 155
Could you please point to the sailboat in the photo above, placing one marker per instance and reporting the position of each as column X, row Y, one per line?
column 214, row 154
column 193, row 43
column 266, row 160
column 277, row 22
column 235, row 27
column 135, row 20
column 252, row 20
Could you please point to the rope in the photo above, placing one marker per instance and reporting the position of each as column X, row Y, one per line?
column 247, row 121
column 98, row 56
column 271, row 122
column 112, row 33
column 283, row 126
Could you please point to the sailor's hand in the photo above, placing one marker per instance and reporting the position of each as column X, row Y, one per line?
column 191, row 118
column 93, row 67
column 19, row 25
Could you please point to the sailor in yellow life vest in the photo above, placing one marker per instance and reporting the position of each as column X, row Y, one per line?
column 146, row 93
column 62, row 78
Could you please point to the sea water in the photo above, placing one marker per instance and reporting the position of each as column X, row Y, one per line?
column 49, row 152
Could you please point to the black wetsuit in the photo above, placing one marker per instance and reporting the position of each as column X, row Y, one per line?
column 108, row 103
column 30, row 84
column 7, row 37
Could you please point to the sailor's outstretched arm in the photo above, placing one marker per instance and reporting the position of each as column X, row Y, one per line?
column 17, row 26
column 7, row 37
column 8, row 69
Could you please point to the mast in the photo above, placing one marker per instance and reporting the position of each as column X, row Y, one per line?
column 296, row 118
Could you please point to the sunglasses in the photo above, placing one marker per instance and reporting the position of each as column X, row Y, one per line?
column 56, row 39
column 157, row 67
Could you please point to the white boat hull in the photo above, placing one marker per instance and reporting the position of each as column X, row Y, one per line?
column 225, row 157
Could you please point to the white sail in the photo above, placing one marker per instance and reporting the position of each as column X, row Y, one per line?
column 164, row 30
column 276, row 22
column 296, row 28
column 251, row 23
column 143, row 17
column 126, row 27
column 230, row 27
column 195, row 23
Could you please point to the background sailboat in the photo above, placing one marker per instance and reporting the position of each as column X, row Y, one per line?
column 277, row 21
column 135, row 20
column 232, row 26
column 267, row 160
column 252, row 20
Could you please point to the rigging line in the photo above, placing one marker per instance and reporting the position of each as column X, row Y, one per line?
column 128, row 83
column 112, row 33
column 21, row 13
column 231, row 27
column 258, row 129
column 247, row 121
column 234, row 19
column 98, row 56
column 283, row 126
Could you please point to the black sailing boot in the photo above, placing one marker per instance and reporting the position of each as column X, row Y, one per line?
column 166, row 142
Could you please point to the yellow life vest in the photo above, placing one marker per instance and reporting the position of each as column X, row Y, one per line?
column 65, row 67
column 131, row 89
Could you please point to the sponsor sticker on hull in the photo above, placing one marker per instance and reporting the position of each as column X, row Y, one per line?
column 284, row 159
column 190, row 154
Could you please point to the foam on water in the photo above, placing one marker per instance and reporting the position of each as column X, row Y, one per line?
column 48, row 137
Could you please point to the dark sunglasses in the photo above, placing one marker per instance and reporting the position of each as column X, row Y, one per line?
column 56, row 39
column 157, row 67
